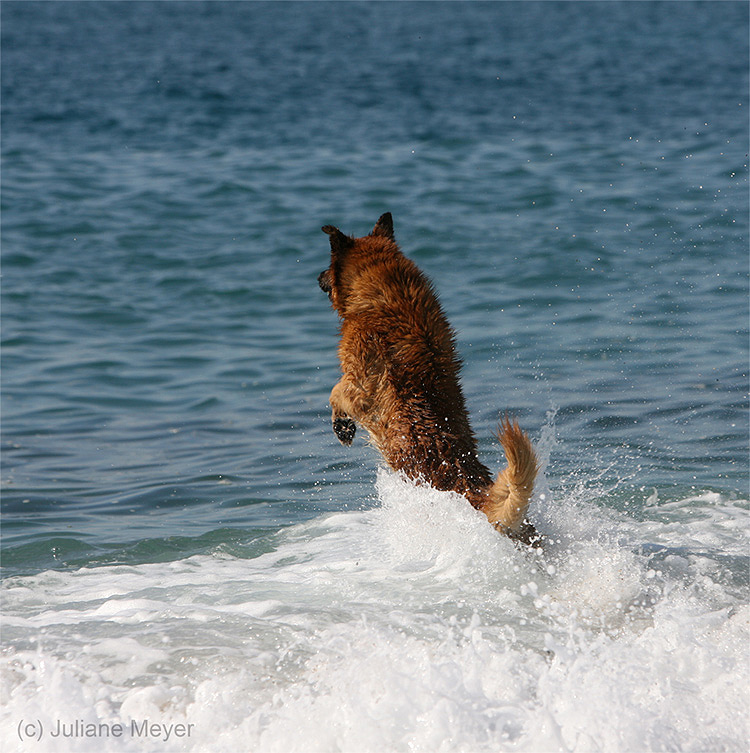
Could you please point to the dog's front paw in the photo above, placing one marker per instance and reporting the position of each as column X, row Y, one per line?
column 344, row 429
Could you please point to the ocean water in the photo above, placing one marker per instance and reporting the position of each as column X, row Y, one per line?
column 191, row 561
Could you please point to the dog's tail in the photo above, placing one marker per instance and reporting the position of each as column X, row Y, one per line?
column 508, row 498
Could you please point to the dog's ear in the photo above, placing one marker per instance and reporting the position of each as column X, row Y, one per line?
column 332, row 280
column 340, row 243
column 384, row 226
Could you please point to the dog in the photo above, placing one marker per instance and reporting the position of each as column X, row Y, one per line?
column 400, row 381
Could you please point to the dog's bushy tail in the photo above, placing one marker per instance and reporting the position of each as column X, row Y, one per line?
column 508, row 498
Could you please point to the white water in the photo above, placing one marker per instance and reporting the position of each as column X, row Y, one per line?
column 409, row 627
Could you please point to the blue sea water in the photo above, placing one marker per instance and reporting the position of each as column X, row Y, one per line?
column 185, row 541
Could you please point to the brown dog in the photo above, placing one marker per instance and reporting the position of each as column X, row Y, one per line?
column 400, row 380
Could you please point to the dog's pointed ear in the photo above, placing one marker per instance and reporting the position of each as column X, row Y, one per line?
column 384, row 226
column 340, row 243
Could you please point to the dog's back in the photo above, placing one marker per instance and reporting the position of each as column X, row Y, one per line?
column 400, row 368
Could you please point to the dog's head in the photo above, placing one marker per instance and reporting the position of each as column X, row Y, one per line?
column 348, row 255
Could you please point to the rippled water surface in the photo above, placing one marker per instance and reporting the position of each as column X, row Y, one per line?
column 183, row 537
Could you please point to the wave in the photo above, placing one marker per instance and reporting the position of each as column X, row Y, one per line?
column 412, row 626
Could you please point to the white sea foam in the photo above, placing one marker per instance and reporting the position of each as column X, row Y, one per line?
column 409, row 627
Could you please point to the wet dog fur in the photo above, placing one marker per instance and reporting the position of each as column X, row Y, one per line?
column 400, row 380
